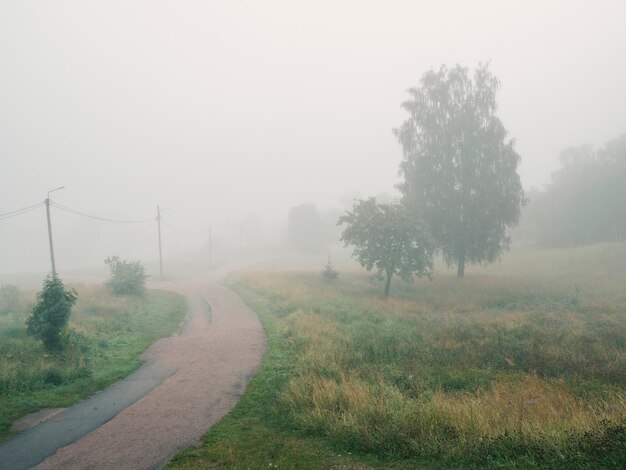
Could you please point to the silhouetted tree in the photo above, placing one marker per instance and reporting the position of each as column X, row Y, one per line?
column 305, row 232
column 585, row 202
column 459, row 168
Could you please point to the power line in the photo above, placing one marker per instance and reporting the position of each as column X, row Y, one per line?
column 17, row 212
column 176, row 230
column 104, row 219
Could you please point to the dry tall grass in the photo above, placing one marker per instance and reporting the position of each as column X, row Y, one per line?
column 453, row 367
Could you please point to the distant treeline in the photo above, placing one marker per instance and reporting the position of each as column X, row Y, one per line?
column 311, row 231
column 585, row 202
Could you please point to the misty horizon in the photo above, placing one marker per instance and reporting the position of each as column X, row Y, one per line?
column 229, row 115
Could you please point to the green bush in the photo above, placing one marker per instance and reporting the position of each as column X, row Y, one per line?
column 51, row 313
column 127, row 277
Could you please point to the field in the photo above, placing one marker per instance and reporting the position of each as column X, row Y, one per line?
column 520, row 365
column 107, row 335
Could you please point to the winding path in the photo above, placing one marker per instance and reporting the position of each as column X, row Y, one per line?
column 203, row 371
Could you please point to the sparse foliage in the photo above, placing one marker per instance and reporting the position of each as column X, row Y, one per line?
column 459, row 167
column 127, row 277
column 329, row 274
column 51, row 313
column 386, row 237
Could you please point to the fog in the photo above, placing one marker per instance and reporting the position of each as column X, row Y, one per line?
column 229, row 114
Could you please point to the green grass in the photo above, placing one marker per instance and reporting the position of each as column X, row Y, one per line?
column 107, row 334
column 522, row 365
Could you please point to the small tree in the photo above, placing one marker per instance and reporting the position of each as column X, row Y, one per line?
column 329, row 274
column 127, row 277
column 51, row 313
column 388, row 238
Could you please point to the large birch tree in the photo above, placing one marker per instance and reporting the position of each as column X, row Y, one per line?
column 460, row 165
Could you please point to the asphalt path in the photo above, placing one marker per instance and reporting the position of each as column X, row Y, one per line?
column 37, row 443
column 187, row 383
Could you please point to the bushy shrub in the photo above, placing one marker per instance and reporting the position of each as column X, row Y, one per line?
column 51, row 313
column 127, row 277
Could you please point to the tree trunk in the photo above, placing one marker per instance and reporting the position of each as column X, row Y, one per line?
column 388, row 284
column 460, row 272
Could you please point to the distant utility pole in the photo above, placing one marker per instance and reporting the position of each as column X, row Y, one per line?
column 47, row 201
column 210, row 247
column 160, row 253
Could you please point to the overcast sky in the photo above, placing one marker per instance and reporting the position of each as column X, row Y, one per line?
column 224, row 109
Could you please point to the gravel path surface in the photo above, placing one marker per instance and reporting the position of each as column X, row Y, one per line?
column 215, row 356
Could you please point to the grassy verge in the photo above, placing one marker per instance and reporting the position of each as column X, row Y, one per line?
column 511, row 368
column 254, row 435
column 107, row 335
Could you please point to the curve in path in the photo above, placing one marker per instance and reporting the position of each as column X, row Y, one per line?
column 207, row 367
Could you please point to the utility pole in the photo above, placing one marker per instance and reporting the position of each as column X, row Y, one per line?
column 210, row 247
column 160, row 253
column 54, row 271
column 47, row 201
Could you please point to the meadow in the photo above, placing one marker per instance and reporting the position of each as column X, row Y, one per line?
column 106, row 336
column 518, row 365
